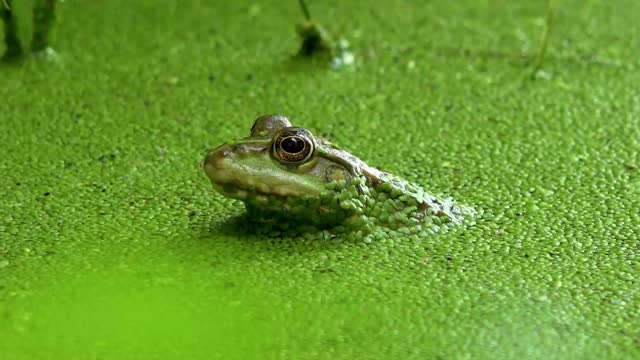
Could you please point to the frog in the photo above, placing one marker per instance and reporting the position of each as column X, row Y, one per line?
column 283, row 173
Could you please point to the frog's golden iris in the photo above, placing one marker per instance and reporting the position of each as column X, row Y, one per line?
column 293, row 145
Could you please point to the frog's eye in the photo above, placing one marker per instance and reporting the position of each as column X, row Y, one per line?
column 294, row 145
column 269, row 124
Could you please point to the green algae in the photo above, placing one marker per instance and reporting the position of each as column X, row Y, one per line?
column 113, row 245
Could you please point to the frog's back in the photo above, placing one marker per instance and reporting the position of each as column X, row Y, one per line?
column 398, row 194
column 409, row 193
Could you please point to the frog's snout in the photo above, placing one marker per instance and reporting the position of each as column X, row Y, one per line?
column 214, row 162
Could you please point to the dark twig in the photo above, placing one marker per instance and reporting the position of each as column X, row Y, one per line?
column 544, row 38
column 305, row 10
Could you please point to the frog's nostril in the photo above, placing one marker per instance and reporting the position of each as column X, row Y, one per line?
column 214, row 160
column 217, row 155
column 241, row 148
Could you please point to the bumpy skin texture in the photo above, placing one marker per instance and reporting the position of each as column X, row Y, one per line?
column 284, row 175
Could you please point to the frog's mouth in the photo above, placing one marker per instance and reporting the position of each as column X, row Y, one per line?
column 247, row 175
column 226, row 184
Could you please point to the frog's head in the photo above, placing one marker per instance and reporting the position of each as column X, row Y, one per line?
column 277, row 161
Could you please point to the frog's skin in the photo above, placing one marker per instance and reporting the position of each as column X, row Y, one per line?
column 44, row 13
column 284, row 173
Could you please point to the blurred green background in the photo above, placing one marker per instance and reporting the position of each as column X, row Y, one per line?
column 113, row 244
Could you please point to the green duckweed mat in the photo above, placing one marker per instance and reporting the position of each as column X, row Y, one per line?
column 114, row 246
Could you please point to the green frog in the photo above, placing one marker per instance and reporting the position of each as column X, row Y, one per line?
column 284, row 174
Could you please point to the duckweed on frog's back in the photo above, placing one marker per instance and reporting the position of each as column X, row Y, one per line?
column 286, row 175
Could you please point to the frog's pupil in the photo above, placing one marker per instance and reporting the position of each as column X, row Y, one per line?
column 292, row 145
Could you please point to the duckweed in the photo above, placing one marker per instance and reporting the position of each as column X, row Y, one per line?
column 134, row 256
